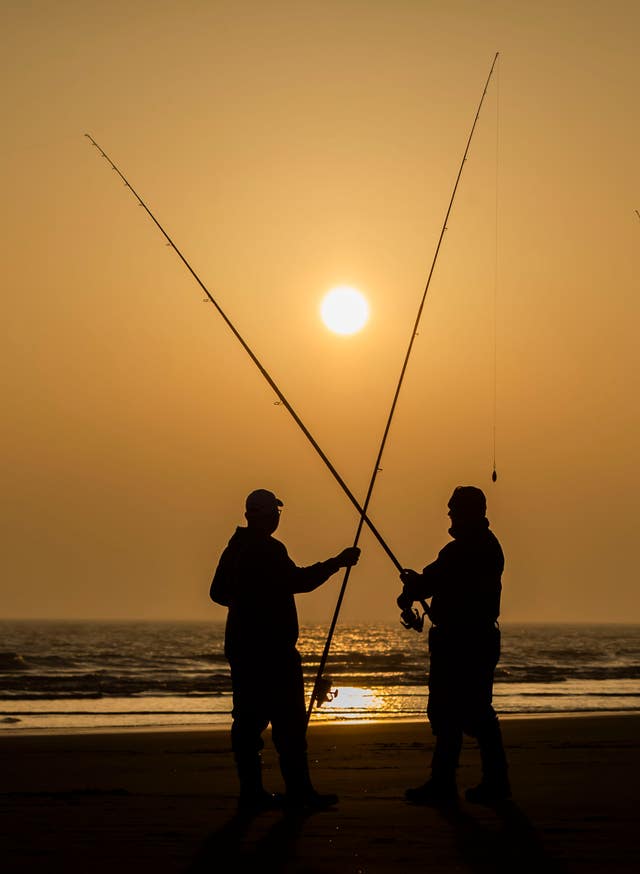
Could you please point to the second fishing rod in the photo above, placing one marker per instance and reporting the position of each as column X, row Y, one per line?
column 410, row 619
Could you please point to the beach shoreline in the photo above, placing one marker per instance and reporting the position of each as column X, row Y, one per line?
column 165, row 801
column 168, row 728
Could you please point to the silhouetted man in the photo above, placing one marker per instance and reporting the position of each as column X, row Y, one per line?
column 464, row 583
column 257, row 581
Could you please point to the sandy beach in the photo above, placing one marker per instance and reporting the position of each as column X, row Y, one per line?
column 166, row 802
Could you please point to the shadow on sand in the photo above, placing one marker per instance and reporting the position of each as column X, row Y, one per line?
column 511, row 845
column 508, row 843
column 233, row 847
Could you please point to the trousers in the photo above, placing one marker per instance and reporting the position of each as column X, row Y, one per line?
column 268, row 688
column 461, row 674
column 460, row 701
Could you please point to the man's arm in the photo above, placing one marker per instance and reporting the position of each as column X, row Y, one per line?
column 306, row 579
column 419, row 587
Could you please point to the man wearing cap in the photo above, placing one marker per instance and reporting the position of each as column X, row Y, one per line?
column 257, row 581
column 464, row 584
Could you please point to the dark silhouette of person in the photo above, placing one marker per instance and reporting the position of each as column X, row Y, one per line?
column 257, row 581
column 464, row 584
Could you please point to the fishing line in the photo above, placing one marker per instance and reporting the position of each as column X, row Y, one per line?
column 319, row 685
column 361, row 511
column 494, row 475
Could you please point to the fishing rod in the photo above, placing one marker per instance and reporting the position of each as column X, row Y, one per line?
column 410, row 619
column 362, row 512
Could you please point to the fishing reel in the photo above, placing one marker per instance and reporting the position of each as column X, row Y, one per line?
column 410, row 618
column 324, row 692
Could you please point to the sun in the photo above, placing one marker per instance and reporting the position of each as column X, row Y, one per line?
column 344, row 310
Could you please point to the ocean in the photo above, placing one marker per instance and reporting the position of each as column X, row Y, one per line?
column 106, row 675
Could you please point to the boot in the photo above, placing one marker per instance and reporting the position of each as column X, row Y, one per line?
column 433, row 794
column 300, row 792
column 253, row 796
column 494, row 786
column 441, row 789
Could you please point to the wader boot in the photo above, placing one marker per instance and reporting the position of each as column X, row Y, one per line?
column 494, row 786
column 300, row 792
column 441, row 789
column 253, row 797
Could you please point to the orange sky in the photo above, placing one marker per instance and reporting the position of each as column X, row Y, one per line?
column 290, row 147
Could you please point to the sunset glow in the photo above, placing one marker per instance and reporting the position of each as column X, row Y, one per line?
column 287, row 155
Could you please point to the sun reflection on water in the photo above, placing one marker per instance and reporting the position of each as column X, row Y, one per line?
column 352, row 703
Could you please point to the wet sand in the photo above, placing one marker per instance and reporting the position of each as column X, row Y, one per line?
column 165, row 801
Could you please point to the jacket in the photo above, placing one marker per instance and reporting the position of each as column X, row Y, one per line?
column 465, row 581
column 257, row 581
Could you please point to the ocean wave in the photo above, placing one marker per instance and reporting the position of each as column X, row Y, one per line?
column 556, row 666
column 96, row 686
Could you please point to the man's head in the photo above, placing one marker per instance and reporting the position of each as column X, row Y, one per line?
column 262, row 511
column 467, row 503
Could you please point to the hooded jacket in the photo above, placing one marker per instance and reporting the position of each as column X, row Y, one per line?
column 257, row 581
column 464, row 581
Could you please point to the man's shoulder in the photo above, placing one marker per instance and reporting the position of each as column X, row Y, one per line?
column 490, row 552
column 237, row 539
column 482, row 541
column 449, row 548
column 246, row 541
column 448, row 556
column 277, row 546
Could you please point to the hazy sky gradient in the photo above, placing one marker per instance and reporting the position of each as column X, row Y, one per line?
column 289, row 147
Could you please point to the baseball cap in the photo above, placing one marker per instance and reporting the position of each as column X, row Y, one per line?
column 262, row 499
